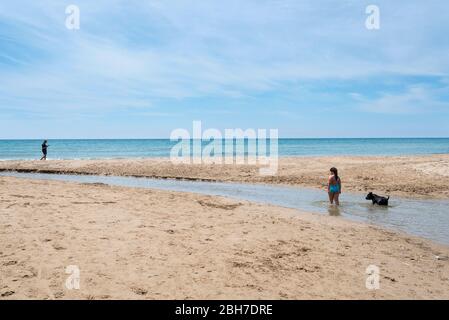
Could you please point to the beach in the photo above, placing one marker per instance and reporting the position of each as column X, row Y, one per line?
column 425, row 176
column 145, row 244
column 230, row 150
column 132, row 243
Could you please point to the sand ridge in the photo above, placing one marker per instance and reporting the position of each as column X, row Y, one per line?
column 408, row 176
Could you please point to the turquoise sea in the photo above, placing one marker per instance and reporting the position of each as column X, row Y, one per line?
column 146, row 148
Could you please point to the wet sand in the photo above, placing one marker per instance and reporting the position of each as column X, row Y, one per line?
column 147, row 244
column 408, row 176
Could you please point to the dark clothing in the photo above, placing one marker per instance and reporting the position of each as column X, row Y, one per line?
column 44, row 148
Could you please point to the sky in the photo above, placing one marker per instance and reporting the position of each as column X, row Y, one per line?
column 141, row 69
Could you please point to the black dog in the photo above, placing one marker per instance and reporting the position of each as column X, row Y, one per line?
column 381, row 201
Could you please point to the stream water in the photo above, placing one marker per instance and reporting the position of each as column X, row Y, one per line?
column 425, row 218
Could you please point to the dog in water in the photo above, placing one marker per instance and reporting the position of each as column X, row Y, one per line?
column 381, row 201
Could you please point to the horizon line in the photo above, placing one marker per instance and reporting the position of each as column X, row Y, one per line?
column 280, row 138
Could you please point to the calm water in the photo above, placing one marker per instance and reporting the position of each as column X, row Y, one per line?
column 129, row 148
column 425, row 218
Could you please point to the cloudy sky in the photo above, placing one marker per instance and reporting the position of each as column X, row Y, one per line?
column 139, row 69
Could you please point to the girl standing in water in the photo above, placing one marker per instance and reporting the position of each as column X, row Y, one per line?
column 334, row 186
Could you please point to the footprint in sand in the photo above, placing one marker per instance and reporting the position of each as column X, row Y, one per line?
column 22, row 196
column 209, row 204
column 139, row 291
column 7, row 293
column 42, row 204
column 29, row 274
column 58, row 247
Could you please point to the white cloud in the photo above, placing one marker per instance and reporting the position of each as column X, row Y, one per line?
column 128, row 53
column 414, row 100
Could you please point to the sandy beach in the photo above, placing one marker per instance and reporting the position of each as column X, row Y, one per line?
column 146, row 244
column 180, row 150
column 424, row 176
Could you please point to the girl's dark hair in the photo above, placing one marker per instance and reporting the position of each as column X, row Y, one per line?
column 335, row 172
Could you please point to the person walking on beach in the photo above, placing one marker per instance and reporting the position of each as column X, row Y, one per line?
column 334, row 186
column 44, row 150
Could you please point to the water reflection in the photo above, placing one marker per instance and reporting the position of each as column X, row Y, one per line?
column 333, row 210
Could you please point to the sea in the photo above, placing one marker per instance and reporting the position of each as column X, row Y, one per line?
column 148, row 148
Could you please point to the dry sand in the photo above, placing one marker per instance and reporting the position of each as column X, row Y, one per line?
column 411, row 176
column 146, row 244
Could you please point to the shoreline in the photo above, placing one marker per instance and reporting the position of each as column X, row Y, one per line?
column 421, row 177
column 150, row 244
column 224, row 189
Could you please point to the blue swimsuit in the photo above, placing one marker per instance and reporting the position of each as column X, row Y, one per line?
column 334, row 188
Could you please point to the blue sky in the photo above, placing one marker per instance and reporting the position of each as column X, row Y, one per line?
column 139, row 69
